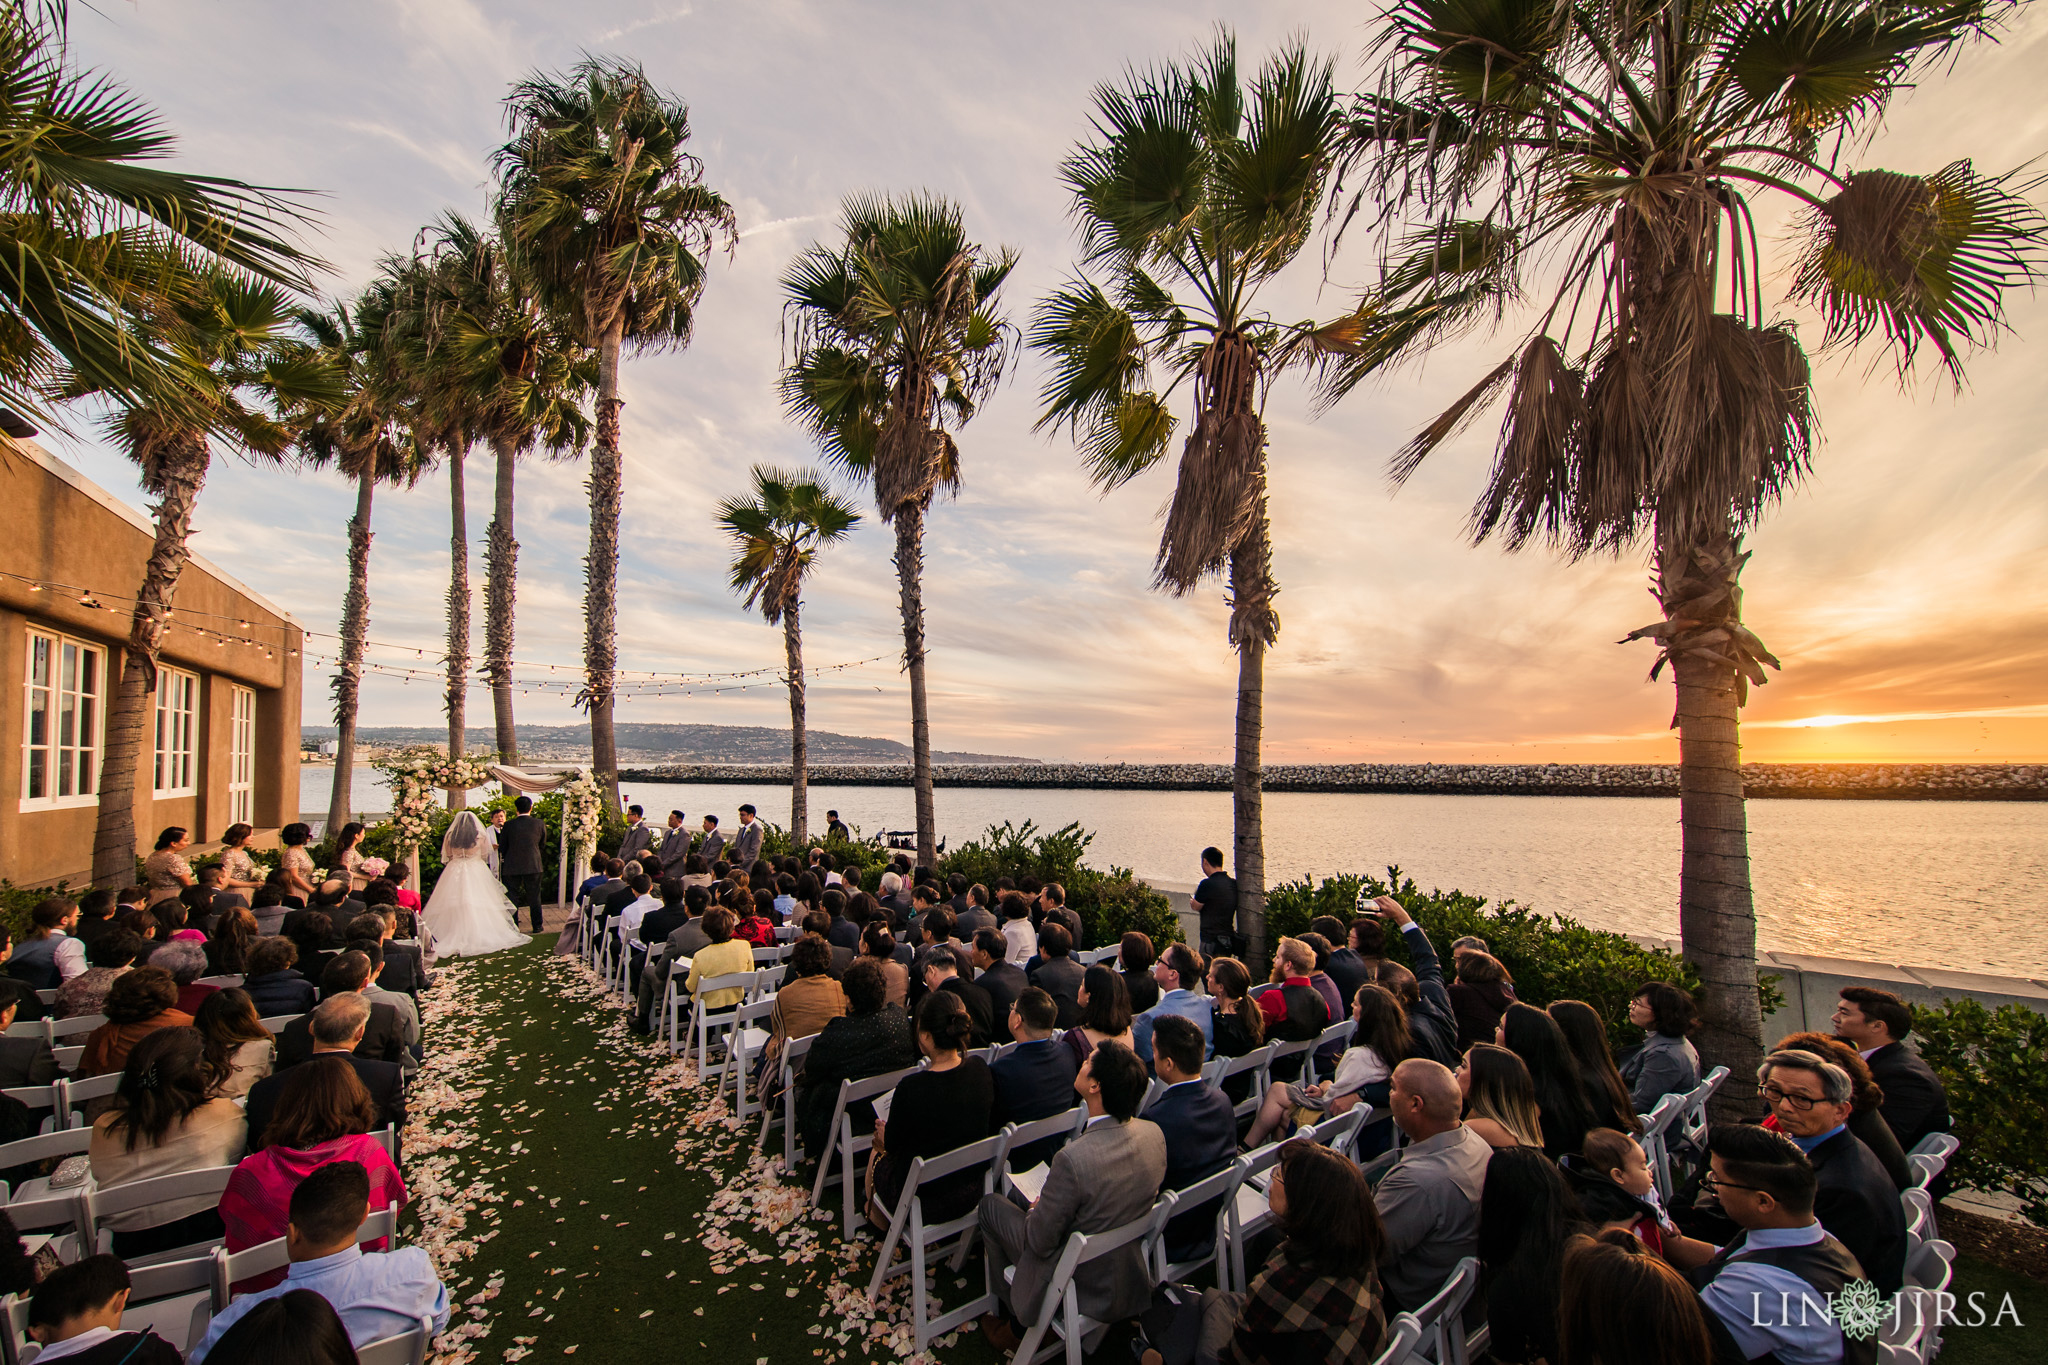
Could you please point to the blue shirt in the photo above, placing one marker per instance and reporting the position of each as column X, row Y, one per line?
column 377, row 1296
column 1770, row 1310
column 1807, row 1145
column 1188, row 1005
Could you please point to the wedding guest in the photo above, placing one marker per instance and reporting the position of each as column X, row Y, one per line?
column 49, row 956
column 186, row 962
column 238, row 868
column 878, row 945
column 808, row 1000
column 1585, row 1032
column 76, row 1315
column 1665, row 1063
column 1364, row 1074
column 337, row 1028
column 1134, row 959
column 1200, row 1129
column 1866, row 1102
column 23, row 1061
column 1615, row 1187
column 724, row 956
column 165, row 872
column 138, row 1004
column 1500, row 1099
column 1429, row 1200
column 273, row 984
column 400, row 877
column 1619, row 1302
column 1035, row 1079
column 1877, row 1023
column 1294, row 1009
column 162, row 1122
column 239, row 1050
column 197, row 906
column 95, row 915
column 1057, row 974
column 1239, row 1027
column 1343, row 965
column 1481, row 993
column 1527, row 1215
column 873, row 1037
column 312, row 933
column 1855, row 1200
column 1177, row 986
column 1561, row 1101
column 341, row 976
column 227, row 951
column 1105, row 1015
column 348, row 974
column 946, row 1105
column 377, row 1295
column 299, row 1327
column 111, row 955
column 323, row 1114
column 1016, row 927
column 268, row 908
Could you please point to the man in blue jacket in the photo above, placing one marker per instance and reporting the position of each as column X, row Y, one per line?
column 1035, row 1079
column 1200, row 1126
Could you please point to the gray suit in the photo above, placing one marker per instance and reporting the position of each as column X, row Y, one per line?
column 713, row 847
column 675, row 851
column 639, row 838
column 1105, row 1178
column 746, row 844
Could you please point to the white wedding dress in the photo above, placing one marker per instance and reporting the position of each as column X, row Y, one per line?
column 469, row 913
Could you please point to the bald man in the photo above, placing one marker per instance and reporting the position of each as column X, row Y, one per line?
column 1429, row 1201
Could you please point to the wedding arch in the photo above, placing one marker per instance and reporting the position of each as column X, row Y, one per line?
column 418, row 776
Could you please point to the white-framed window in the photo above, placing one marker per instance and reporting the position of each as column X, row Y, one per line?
column 177, row 732
column 60, row 746
column 242, row 758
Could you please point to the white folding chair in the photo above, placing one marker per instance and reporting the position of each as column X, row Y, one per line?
column 1442, row 1318
column 849, row 1146
column 50, row 1097
column 1054, row 1130
column 78, row 1094
column 1941, row 1146
column 771, row 957
column 1248, row 1213
column 1090, row 956
column 230, row 1268
column 222, row 983
column 68, row 1058
column 1059, row 1312
column 1918, row 1206
column 907, row 1225
column 1340, row 1131
column 1404, row 1335
column 707, row 1022
column 1655, row 1139
column 1258, row 1061
column 174, row 1299
column 793, row 1053
column 57, row 1030
column 1282, row 1051
column 676, row 974
column 1336, row 1033
column 102, row 1206
column 30, row 1028
column 1930, row 1270
column 43, row 1147
column 17, row 1346
column 749, row 1041
column 1221, row 1188
column 387, row 1138
column 48, row 997
column 1691, row 1128
column 276, row 1023
column 407, row 1348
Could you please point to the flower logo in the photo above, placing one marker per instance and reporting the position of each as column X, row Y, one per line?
column 1859, row 1309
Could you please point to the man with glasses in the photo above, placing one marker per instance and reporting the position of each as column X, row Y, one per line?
column 1767, row 1290
column 1856, row 1200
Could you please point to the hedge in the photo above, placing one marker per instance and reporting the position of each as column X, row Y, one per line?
column 1551, row 957
column 1990, row 1063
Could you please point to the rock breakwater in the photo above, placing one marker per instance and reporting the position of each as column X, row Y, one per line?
column 1850, row 781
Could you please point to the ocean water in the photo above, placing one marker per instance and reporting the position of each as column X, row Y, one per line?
column 1955, row 884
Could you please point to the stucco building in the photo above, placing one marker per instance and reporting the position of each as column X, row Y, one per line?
column 222, row 743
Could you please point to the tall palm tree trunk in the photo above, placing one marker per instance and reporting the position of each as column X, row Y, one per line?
column 910, row 588
column 501, row 587
column 799, row 745
column 601, row 569
column 348, row 677
column 1248, row 566
column 1717, row 916
column 180, row 476
column 458, row 612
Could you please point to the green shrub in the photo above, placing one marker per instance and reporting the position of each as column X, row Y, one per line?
column 1551, row 957
column 1990, row 1062
column 18, row 902
column 1110, row 904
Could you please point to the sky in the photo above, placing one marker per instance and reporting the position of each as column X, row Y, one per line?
column 1905, row 584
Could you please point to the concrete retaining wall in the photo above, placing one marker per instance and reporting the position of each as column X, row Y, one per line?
column 1883, row 781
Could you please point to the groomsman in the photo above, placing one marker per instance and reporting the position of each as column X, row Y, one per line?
column 675, row 846
column 746, row 844
column 713, row 847
column 639, row 838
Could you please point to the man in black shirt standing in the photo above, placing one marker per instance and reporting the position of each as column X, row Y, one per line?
column 1216, row 901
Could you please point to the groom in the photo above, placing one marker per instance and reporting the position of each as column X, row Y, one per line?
column 519, row 858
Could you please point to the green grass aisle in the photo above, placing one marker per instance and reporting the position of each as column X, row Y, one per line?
column 580, row 1194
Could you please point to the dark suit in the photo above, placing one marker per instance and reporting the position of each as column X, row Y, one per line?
column 979, row 1008
column 1060, row 978
column 1035, row 1081
column 337, row 915
column 968, row 922
column 26, row 1061
column 402, row 971
column 1349, row 971
column 384, row 1080
column 1201, row 1139
column 520, row 862
column 1004, row 982
column 28, row 1006
column 285, row 992
column 636, row 841
column 1859, row 1206
column 223, row 901
column 383, row 1039
column 1915, row 1102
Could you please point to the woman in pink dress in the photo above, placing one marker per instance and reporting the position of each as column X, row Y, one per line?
column 323, row 1113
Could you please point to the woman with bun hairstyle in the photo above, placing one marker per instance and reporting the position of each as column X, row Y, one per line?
column 949, row 1104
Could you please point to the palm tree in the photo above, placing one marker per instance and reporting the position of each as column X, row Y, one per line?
column 1196, row 192
column 496, row 367
column 612, row 220
column 244, row 367
column 100, row 238
column 369, row 439
column 777, row 530
column 896, row 336
column 1657, row 401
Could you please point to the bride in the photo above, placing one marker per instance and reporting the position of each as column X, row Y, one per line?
column 469, row 914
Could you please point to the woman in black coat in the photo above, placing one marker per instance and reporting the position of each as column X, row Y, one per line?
column 874, row 1038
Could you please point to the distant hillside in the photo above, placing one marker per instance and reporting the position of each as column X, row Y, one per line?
column 643, row 744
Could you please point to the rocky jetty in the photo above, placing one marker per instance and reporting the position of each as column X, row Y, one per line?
column 1853, row 781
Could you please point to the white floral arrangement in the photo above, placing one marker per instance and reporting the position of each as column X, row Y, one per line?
column 417, row 777
column 580, row 810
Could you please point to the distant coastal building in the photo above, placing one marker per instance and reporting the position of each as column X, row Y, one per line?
column 222, row 742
